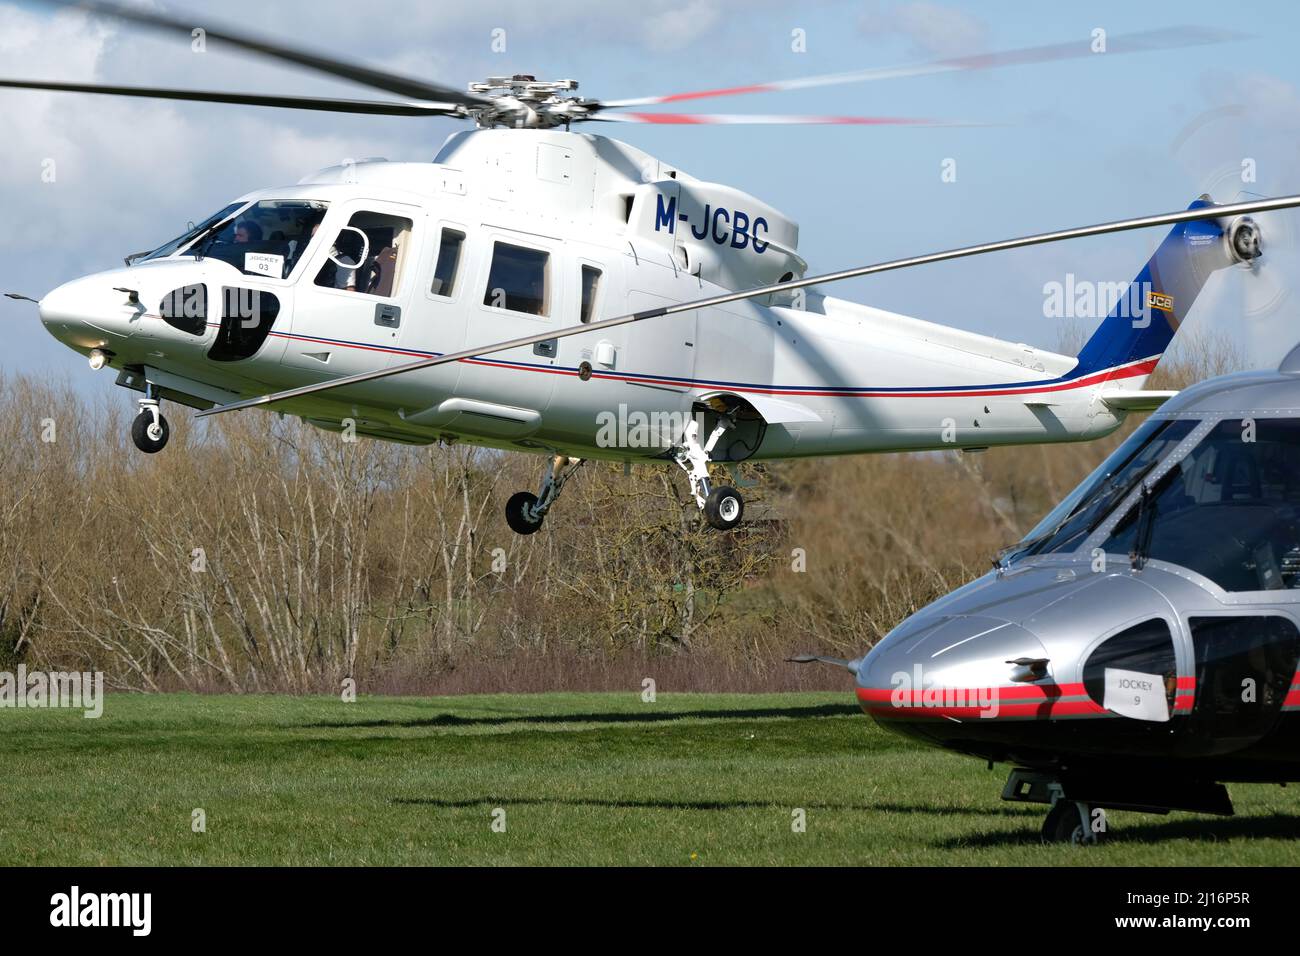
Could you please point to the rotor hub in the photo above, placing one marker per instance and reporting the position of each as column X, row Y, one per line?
column 522, row 101
column 1246, row 239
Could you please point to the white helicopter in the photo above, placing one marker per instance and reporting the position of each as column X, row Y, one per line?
column 535, row 289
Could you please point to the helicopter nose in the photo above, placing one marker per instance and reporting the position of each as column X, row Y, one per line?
column 960, row 668
column 89, row 312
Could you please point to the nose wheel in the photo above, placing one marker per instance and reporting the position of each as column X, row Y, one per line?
column 150, row 430
column 525, row 511
column 1070, row 821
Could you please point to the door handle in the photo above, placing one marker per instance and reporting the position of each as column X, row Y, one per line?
column 389, row 316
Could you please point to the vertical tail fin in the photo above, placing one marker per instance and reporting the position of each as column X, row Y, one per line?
column 1137, row 332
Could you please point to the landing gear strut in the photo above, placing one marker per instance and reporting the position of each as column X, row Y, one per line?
column 150, row 430
column 723, row 506
column 525, row 510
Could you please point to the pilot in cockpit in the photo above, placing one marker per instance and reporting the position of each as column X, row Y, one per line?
column 247, row 231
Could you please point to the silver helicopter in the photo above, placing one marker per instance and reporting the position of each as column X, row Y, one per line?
column 1138, row 649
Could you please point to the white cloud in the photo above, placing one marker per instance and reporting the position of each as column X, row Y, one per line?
column 932, row 29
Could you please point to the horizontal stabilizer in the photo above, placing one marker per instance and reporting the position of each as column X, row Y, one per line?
column 1136, row 401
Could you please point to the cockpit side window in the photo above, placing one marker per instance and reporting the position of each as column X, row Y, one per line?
column 367, row 255
column 1229, row 510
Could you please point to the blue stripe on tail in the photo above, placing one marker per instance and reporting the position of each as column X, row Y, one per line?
column 1147, row 316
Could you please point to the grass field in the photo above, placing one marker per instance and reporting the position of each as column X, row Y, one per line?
column 582, row 778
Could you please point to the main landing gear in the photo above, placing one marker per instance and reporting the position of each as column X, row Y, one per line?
column 722, row 506
column 150, row 431
column 525, row 510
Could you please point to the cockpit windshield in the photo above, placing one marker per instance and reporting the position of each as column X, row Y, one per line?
column 1227, row 506
column 1229, row 509
column 191, row 233
column 265, row 238
column 1069, row 523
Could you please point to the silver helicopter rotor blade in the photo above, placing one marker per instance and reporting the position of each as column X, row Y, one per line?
column 1122, row 225
column 322, row 104
column 321, row 63
column 765, row 119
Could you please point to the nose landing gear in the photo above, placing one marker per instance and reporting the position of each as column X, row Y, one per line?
column 149, row 430
column 1071, row 821
column 525, row 510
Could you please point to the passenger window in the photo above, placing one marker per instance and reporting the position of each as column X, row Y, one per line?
column 517, row 280
column 448, row 264
column 366, row 256
column 590, row 285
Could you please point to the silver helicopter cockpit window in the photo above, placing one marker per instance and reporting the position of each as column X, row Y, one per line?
column 1228, row 508
column 267, row 238
column 1068, row 524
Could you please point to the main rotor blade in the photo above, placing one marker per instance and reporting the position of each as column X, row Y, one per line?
column 324, row 104
column 367, row 76
column 1122, row 225
column 1163, row 39
column 765, row 119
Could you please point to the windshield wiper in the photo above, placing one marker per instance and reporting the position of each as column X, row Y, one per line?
column 1137, row 557
column 1119, row 494
column 1103, row 491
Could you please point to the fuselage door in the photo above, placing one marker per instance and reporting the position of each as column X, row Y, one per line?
column 1245, row 669
column 354, row 294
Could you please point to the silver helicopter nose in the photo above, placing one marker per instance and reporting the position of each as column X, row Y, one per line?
column 91, row 312
column 959, row 667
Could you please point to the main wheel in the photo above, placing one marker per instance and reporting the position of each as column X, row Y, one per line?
column 148, row 437
column 724, row 508
column 519, row 513
column 1064, row 824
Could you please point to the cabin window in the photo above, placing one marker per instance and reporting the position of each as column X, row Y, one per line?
column 246, row 319
column 590, row 286
column 517, row 280
column 1146, row 651
column 366, row 255
column 1228, row 510
column 186, row 309
column 448, row 263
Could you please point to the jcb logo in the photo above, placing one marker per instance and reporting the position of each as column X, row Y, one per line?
column 1158, row 300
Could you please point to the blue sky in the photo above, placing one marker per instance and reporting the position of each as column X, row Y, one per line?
column 1069, row 143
